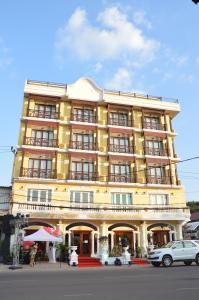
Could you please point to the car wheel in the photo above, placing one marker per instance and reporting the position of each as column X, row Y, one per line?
column 167, row 261
column 187, row 263
column 197, row 259
column 156, row 263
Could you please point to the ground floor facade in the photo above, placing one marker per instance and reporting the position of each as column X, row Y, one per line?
column 85, row 234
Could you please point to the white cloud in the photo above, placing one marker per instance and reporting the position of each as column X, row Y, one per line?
column 181, row 61
column 5, row 58
column 98, row 67
column 115, row 38
column 122, row 80
column 139, row 18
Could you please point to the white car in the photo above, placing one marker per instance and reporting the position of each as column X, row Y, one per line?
column 185, row 250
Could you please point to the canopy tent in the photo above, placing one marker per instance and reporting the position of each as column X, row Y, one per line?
column 192, row 226
column 42, row 236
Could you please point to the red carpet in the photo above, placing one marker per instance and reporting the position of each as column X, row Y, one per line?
column 140, row 261
column 88, row 262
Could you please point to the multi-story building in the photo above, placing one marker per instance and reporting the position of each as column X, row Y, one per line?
column 98, row 163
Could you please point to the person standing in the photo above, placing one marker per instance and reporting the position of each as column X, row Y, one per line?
column 33, row 253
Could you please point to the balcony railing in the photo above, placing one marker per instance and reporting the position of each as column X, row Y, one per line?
column 121, row 178
column 38, row 173
column 162, row 213
column 158, row 179
column 120, row 122
column 155, row 151
column 82, row 145
column 154, row 126
column 83, row 176
column 42, row 114
column 83, row 118
column 41, row 142
column 121, row 148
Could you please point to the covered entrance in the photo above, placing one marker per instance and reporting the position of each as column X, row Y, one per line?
column 160, row 234
column 82, row 239
column 85, row 236
column 119, row 235
column 160, row 238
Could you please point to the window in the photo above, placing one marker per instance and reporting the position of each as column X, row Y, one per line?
column 120, row 119
column 120, row 169
column 189, row 244
column 81, row 197
column 121, row 198
column 158, row 199
column 42, row 137
column 177, row 245
column 119, row 144
column 83, row 141
column 45, row 111
column 154, row 147
column 42, row 196
column 83, row 115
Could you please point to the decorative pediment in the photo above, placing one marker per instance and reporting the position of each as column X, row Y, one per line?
column 84, row 89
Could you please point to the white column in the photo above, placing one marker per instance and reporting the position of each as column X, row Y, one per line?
column 97, row 233
column 143, row 238
column 170, row 236
column 92, row 243
column 112, row 239
column 69, row 238
column 179, row 231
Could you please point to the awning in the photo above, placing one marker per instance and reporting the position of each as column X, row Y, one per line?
column 42, row 236
column 193, row 226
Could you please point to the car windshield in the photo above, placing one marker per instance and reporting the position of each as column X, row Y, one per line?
column 197, row 242
column 169, row 245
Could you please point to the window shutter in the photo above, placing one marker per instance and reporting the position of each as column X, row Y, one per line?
column 49, row 195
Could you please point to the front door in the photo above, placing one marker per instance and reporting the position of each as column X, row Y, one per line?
column 82, row 239
column 119, row 235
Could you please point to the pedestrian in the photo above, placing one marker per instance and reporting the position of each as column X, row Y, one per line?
column 33, row 253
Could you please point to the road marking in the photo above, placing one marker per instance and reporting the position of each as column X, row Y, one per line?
column 77, row 295
column 188, row 288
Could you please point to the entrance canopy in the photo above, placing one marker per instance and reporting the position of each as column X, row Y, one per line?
column 42, row 236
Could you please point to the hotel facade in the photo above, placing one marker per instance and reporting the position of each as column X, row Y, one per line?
column 94, row 162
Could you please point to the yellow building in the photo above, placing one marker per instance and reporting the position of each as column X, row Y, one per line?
column 98, row 163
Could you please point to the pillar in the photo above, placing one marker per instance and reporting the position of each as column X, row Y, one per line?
column 143, row 238
column 179, row 231
column 92, row 243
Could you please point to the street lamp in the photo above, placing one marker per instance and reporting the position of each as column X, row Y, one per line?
column 18, row 223
column 195, row 1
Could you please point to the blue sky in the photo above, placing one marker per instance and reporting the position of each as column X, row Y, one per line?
column 145, row 46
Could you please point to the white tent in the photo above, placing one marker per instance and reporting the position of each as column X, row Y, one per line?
column 42, row 236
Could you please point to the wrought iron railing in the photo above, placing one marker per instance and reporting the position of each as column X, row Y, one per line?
column 159, row 179
column 155, row 151
column 119, row 122
column 83, row 118
column 38, row 173
column 42, row 114
column 121, row 148
column 154, row 126
column 87, row 176
column 41, row 142
column 82, row 145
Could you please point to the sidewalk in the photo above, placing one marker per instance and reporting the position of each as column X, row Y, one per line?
column 63, row 267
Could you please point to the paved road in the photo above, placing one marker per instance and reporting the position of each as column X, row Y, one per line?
column 118, row 283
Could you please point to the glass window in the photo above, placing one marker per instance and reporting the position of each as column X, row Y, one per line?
column 189, row 244
column 121, row 198
column 177, row 245
column 34, row 195
column 158, row 199
column 81, row 197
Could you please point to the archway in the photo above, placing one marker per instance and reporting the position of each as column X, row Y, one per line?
column 159, row 234
column 119, row 231
column 85, row 236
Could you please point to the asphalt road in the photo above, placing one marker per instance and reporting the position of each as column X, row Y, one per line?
column 116, row 283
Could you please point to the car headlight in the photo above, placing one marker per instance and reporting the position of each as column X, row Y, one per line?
column 158, row 252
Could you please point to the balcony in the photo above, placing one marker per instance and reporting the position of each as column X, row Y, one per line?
column 41, row 142
column 155, row 151
column 82, row 145
column 121, row 148
column 83, row 176
column 38, row 173
column 154, row 126
column 125, row 178
column 113, row 212
column 159, row 179
column 85, row 118
column 35, row 113
column 119, row 122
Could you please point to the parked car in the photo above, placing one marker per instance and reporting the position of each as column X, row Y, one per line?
column 184, row 250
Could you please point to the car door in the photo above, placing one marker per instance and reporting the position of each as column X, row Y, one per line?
column 190, row 250
column 177, row 251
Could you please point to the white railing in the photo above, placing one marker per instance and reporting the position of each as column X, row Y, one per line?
column 89, row 209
